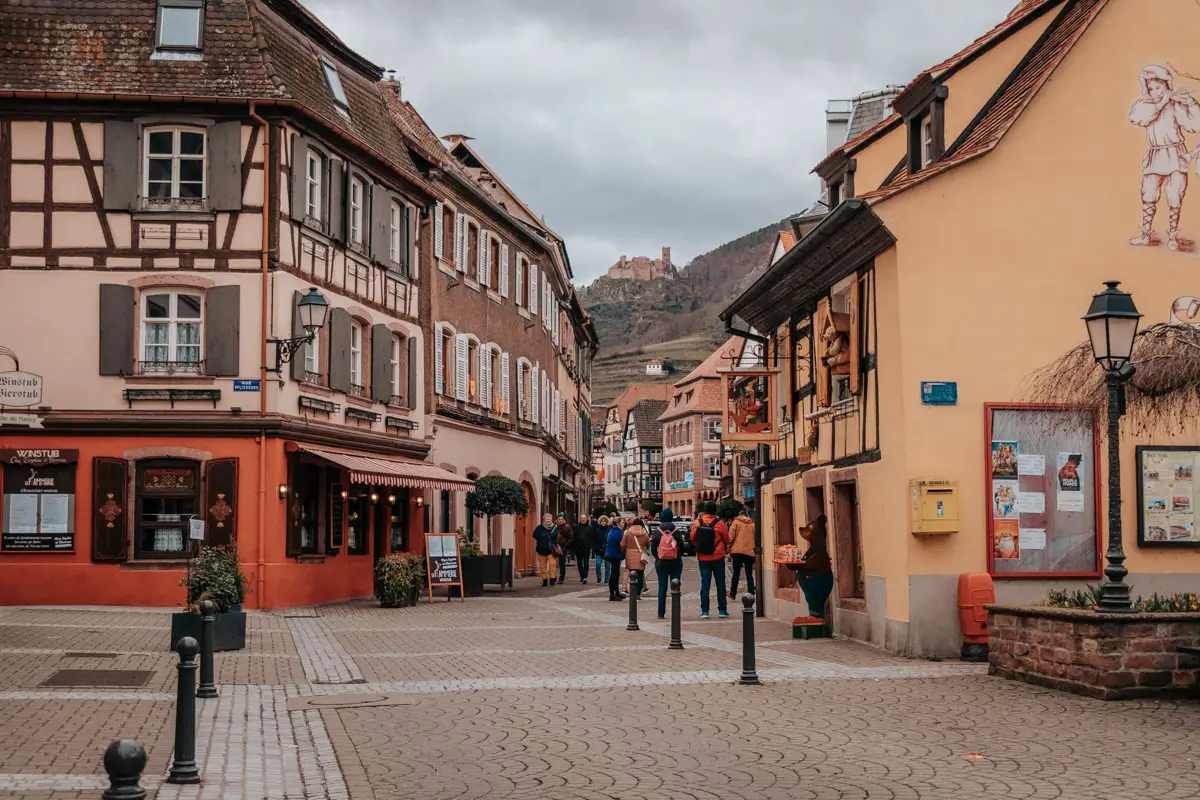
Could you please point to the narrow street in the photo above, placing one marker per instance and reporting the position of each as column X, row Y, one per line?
column 542, row 693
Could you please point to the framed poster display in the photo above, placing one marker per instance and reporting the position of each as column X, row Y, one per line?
column 38, row 513
column 1043, row 499
column 1166, row 496
column 443, row 563
column 748, row 402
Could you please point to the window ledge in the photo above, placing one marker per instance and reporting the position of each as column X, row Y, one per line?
column 166, row 214
column 316, row 388
column 156, row 380
column 361, row 402
column 447, row 267
column 494, row 297
column 852, row 604
column 311, row 559
column 471, row 282
column 155, row 564
column 394, row 407
column 524, row 312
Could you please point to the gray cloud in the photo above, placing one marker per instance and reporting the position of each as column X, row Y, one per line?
column 633, row 124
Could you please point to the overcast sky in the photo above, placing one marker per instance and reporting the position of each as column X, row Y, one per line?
column 633, row 124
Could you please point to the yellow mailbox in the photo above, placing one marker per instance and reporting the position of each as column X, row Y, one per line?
column 934, row 505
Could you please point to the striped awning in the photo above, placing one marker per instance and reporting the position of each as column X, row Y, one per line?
column 383, row 471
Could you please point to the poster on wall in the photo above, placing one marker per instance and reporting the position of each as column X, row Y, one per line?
column 748, row 402
column 1006, row 539
column 1004, row 459
column 39, row 500
column 1004, row 500
column 1166, row 496
column 1070, row 482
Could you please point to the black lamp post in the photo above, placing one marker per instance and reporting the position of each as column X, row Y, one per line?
column 1112, row 321
column 312, row 308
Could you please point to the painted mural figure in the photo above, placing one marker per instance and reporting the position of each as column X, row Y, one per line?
column 1167, row 114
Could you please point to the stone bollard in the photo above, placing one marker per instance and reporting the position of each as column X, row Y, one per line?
column 749, row 673
column 183, row 765
column 635, row 592
column 208, row 618
column 676, row 622
column 124, row 761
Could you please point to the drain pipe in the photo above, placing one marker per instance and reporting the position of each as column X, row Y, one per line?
column 262, row 383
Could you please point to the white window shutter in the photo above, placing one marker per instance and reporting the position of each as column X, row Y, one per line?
column 485, row 259
column 547, row 397
column 522, row 413
column 485, row 376
column 547, row 309
column 438, row 360
column 504, row 383
column 556, row 322
column 533, row 289
column 460, row 243
column 438, row 232
column 503, row 270
column 461, row 367
column 534, row 405
column 520, row 280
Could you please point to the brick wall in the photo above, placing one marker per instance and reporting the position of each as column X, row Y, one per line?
column 1106, row 656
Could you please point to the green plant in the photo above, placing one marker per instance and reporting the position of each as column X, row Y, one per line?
column 1071, row 598
column 398, row 576
column 729, row 508
column 651, row 508
column 494, row 496
column 1168, row 604
column 468, row 547
column 217, row 575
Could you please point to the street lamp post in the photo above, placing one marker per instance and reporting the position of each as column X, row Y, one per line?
column 1112, row 321
column 312, row 310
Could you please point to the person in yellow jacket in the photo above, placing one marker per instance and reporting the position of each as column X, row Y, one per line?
column 741, row 548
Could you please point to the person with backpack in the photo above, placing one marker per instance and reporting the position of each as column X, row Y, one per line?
column 543, row 538
column 581, row 545
column 635, row 543
column 563, row 537
column 741, row 551
column 613, row 556
column 711, row 538
column 667, row 546
column 599, row 538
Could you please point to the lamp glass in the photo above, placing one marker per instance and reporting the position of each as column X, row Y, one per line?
column 313, row 308
column 1121, row 334
column 1098, row 333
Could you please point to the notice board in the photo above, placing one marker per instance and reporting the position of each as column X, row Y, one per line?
column 38, row 512
column 1042, row 495
column 442, row 562
column 1166, row 496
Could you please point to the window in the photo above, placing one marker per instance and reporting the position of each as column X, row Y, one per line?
column 496, row 401
column 174, row 165
column 395, row 372
column 926, row 141
column 687, row 430
column 180, row 25
column 448, row 234
column 356, row 525
column 714, row 467
column 316, row 169
column 167, row 495
column 356, row 211
column 304, row 508
column 312, row 359
column 472, row 265
column 653, row 483
column 835, row 194
column 447, row 362
column 473, row 371
column 522, row 271
column 334, row 82
column 713, row 430
column 394, row 233
column 494, row 262
column 356, row 359
column 171, row 332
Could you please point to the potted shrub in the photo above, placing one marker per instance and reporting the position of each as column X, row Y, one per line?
column 471, row 561
column 398, row 579
column 214, row 575
column 494, row 495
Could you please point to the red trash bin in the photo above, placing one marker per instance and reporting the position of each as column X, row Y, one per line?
column 975, row 590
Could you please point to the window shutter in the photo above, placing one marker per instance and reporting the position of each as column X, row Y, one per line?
column 533, row 288
column 557, row 324
column 546, row 420
column 410, row 241
column 534, row 404
column 485, row 376
column 438, row 230
column 547, row 310
column 855, row 345
column 504, row 388
column 381, row 363
column 822, row 321
column 225, row 166
column 335, row 190
column 503, row 270
column 122, row 163
column 462, row 364
column 460, row 243
column 222, row 321
column 520, row 276
column 110, row 480
column 410, row 399
column 521, row 414
column 339, row 350
column 438, row 356
column 485, row 259
column 117, row 311
column 299, row 198
column 220, row 515
column 297, row 330
column 380, row 227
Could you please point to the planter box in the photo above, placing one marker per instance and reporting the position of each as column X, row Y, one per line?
column 229, row 630
column 498, row 569
column 472, row 577
column 1106, row 656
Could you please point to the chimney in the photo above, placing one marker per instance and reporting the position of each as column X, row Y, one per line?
column 391, row 82
column 622, row 262
column 837, row 123
column 666, row 259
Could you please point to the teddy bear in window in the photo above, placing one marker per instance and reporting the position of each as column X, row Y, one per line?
column 836, row 336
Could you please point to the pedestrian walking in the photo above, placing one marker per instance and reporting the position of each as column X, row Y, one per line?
column 613, row 556
column 634, row 544
column 543, row 539
column 581, row 546
column 564, row 537
column 599, row 538
column 667, row 546
column 712, row 542
column 741, row 551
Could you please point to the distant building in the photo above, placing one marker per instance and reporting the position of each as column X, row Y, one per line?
column 641, row 268
column 655, row 367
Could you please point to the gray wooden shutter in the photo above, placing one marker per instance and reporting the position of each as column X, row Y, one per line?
column 339, row 350
column 117, row 311
column 297, row 330
column 410, row 399
column 222, row 317
column 299, row 177
column 225, row 166
column 110, row 479
column 381, row 363
column 410, row 241
column 336, row 192
column 381, row 226
column 121, row 165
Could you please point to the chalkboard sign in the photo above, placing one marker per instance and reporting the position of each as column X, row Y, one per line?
column 337, row 515
column 38, row 512
column 442, row 562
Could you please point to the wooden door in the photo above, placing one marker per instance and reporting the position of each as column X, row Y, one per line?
column 523, row 531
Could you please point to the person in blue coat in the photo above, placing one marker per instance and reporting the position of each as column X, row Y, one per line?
column 613, row 555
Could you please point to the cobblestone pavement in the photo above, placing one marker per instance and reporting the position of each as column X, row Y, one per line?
column 542, row 693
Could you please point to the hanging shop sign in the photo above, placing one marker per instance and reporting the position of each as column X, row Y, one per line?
column 39, row 500
column 749, row 396
column 20, row 388
column 443, row 563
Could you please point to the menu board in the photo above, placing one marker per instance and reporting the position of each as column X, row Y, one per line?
column 1166, row 496
column 1042, row 501
column 442, row 562
column 39, row 501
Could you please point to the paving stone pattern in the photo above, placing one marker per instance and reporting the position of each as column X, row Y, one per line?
column 542, row 693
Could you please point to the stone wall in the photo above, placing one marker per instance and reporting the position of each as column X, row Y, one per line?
column 1106, row 656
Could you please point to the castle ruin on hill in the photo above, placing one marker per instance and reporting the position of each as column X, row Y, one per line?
column 641, row 268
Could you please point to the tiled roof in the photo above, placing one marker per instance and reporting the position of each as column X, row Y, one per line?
column 789, row 240
column 636, row 392
column 1010, row 100
column 717, row 359
column 703, row 383
column 645, row 422
column 415, row 130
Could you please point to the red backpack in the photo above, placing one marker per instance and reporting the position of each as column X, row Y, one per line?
column 668, row 548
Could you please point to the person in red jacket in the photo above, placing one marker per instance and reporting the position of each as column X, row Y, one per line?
column 711, row 538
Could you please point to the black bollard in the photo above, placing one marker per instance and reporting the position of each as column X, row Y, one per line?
column 635, row 591
column 183, row 765
column 676, row 623
column 124, row 761
column 208, row 617
column 749, row 673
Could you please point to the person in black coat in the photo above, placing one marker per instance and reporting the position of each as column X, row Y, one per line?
column 581, row 546
column 599, row 540
column 666, row 568
column 565, row 539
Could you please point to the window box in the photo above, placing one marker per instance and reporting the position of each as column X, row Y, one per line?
column 358, row 390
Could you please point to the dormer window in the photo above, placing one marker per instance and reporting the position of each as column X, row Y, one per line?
column 334, row 82
column 926, row 117
column 180, row 25
column 927, row 141
column 835, row 195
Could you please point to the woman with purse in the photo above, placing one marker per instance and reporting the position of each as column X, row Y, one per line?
column 544, row 544
column 613, row 555
column 634, row 544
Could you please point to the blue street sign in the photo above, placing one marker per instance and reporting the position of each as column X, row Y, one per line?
column 247, row 386
column 939, row 393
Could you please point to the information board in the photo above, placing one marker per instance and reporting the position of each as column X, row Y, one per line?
column 442, row 562
column 1167, row 496
column 39, row 501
